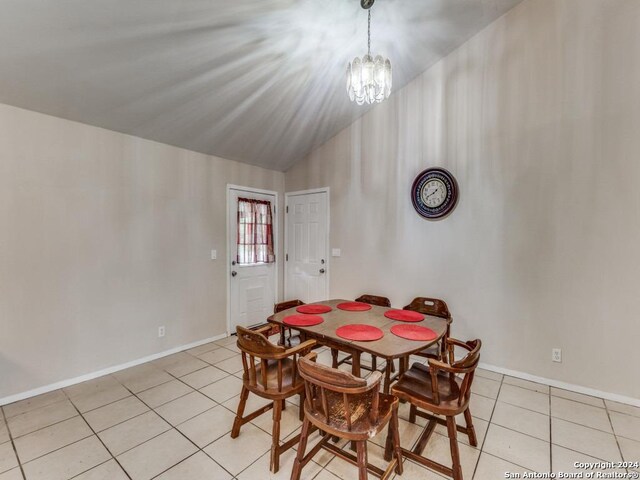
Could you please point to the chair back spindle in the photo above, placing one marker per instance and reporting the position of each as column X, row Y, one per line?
column 465, row 367
column 260, row 356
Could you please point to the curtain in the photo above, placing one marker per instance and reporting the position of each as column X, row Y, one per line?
column 255, row 232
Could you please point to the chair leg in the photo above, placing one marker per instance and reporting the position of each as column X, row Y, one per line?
column 455, row 453
column 237, row 423
column 397, row 448
column 284, row 405
column 334, row 358
column 302, row 446
column 361, row 448
column 412, row 413
column 301, row 401
column 388, row 444
column 275, row 441
column 386, row 386
column 471, row 431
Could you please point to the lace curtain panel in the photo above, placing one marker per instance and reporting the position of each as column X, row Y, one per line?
column 255, row 232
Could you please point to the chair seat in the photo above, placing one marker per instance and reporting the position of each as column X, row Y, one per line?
column 289, row 388
column 361, row 425
column 432, row 352
column 415, row 386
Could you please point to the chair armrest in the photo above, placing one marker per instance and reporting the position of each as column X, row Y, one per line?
column 374, row 379
column 264, row 329
column 435, row 365
column 458, row 343
column 302, row 348
column 311, row 356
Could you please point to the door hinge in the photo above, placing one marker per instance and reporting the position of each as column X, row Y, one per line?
column 286, row 257
column 287, row 208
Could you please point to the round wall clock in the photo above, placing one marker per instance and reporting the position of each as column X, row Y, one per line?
column 434, row 193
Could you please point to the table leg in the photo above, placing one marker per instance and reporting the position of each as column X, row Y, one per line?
column 334, row 358
column 387, row 376
column 355, row 363
column 403, row 365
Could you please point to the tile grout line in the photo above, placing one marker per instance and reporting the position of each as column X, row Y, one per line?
column 175, row 427
column 99, row 439
column 198, row 449
column 13, row 443
column 551, row 435
column 94, row 433
column 488, row 427
column 34, row 409
column 614, row 434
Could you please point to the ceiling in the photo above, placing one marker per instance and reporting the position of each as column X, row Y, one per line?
column 259, row 81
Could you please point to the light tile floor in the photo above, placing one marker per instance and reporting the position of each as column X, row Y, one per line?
column 171, row 420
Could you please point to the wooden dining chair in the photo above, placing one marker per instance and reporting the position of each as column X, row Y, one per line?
column 371, row 300
column 271, row 372
column 342, row 405
column 287, row 337
column 442, row 389
column 436, row 308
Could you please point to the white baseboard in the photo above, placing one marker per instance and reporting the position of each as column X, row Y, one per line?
column 565, row 386
column 105, row 371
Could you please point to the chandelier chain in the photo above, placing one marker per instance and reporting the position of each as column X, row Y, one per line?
column 369, row 34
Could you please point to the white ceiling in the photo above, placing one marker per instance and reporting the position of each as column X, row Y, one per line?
column 260, row 81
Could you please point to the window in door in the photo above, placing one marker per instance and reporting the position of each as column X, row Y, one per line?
column 255, row 232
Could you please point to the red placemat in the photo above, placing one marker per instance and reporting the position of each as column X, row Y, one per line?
column 303, row 320
column 414, row 332
column 354, row 306
column 313, row 309
column 359, row 332
column 404, row 315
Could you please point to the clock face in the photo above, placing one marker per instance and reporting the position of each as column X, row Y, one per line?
column 434, row 193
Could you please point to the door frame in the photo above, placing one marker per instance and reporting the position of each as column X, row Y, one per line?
column 326, row 190
column 276, row 243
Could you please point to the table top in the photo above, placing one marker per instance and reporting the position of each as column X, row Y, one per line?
column 389, row 346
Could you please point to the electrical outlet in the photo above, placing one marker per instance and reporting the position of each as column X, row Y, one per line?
column 161, row 332
column 556, row 355
column 214, row 254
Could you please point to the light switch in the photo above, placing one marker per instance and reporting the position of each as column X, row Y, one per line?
column 335, row 252
column 214, row 254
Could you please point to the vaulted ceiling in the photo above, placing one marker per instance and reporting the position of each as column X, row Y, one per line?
column 259, row 81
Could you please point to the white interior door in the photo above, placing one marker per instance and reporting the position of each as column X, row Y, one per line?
column 252, row 287
column 306, row 256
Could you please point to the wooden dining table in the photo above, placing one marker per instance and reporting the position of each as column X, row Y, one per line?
column 389, row 347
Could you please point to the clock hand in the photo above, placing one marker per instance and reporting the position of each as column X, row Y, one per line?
column 433, row 193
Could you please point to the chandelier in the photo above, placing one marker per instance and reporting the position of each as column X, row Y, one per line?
column 368, row 78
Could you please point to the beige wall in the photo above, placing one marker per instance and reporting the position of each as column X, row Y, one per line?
column 104, row 237
column 538, row 117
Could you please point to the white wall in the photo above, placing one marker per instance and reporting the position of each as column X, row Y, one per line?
column 538, row 117
column 104, row 237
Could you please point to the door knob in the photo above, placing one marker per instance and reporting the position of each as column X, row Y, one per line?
column 322, row 270
column 234, row 273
